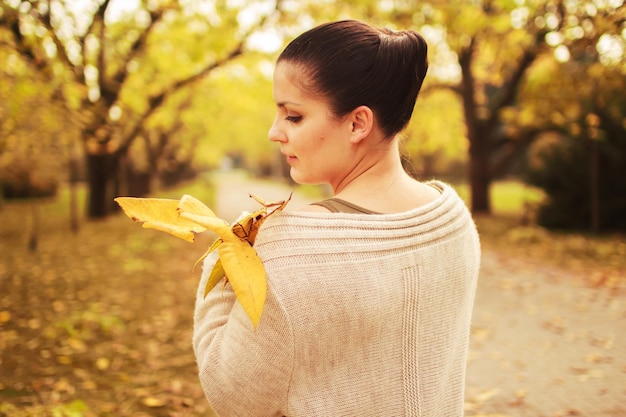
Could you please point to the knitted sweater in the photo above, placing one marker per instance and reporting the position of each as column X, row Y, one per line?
column 366, row 315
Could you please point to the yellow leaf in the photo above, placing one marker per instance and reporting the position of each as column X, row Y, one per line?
column 191, row 204
column 89, row 385
column 238, row 261
column 217, row 274
column 64, row 359
column 5, row 316
column 487, row 395
column 246, row 274
column 103, row 363
column 214, row 224
column 153, row 402
column 77, row 345
column 160, row 214
column 63, row 385
column 213, row 246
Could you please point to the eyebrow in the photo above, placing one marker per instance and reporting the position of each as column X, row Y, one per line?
column 282, row 104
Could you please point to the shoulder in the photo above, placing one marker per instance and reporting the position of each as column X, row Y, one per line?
column 311, row 208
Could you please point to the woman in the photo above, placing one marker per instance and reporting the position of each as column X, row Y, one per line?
column 369, row 293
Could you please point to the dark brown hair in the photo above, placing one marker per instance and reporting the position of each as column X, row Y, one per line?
column 351, row 63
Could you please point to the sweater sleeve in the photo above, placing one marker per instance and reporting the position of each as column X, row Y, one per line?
column 243, row 372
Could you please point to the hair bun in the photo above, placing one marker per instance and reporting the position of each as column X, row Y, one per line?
column 352, row 63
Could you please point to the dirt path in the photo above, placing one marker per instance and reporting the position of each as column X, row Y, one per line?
column 233, row 189
column 543, row 344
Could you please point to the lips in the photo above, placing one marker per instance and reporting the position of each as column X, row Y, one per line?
column 290, row 158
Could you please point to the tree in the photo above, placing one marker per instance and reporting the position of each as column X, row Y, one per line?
column 493, row 54
column 34, row 142
column 433, row 144
column 580, row 163
column 497, row 44
column 118, row 70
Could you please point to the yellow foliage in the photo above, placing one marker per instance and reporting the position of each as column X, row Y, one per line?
column 238, row 262
column 160, row 214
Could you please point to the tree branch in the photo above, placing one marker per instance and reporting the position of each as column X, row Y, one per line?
column 101, row 60
column 98, row 17
column 430, row 87
column 10, row 19
column 155, row 101
column 467, row 88
column 46, row 21
column 511, row 87
column 138, row 46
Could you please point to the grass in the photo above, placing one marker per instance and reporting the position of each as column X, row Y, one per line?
column 508, row 197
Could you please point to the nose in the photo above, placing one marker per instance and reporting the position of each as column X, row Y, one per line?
column 275, row 134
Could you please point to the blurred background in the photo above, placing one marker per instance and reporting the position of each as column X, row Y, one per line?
column 523, row 110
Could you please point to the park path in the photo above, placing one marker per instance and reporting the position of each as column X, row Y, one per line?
column 543, row 343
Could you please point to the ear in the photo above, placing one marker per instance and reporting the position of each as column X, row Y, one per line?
column 362, row 122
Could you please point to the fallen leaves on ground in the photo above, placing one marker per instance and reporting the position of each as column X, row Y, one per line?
column 98, row 323
column 599, row 261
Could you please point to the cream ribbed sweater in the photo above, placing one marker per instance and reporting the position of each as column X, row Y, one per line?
column 366, row 315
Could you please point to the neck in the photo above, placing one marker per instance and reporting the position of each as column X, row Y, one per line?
column 376, row 170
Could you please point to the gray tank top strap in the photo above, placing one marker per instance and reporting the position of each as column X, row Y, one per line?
column 337, row 205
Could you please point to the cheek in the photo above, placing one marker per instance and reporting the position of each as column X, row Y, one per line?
column 318, row 148
column 310, row 140
column 315, row 139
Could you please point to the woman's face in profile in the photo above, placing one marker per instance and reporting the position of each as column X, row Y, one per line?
column 314, row 141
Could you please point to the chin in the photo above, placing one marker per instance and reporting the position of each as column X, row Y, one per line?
column 298, row 178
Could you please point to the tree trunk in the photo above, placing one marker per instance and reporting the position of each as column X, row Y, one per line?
column 33, row 238
column 480, row 177
column 594, row 185
column 102, row 181
column 73, row 183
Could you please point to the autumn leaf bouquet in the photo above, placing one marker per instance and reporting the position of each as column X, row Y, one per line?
column 238, row 262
